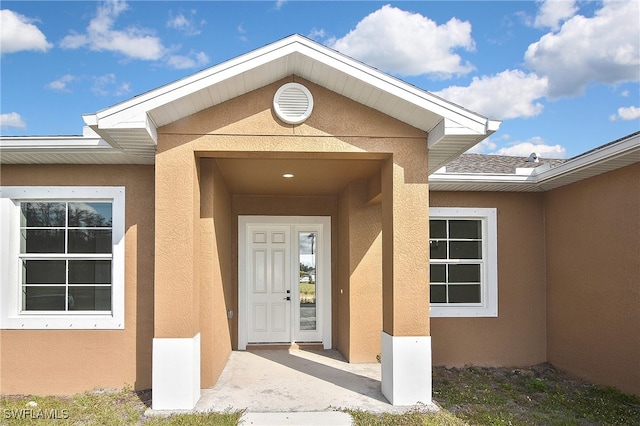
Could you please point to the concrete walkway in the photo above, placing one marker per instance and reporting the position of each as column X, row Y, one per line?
column 295, row 387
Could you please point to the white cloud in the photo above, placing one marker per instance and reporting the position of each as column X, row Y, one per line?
column 12, row 119
column 107, row 85
column 604, row 48
column 185, row 24
column 537, row 145
column 60, row 85
column 17, row 33
column 132, row 42
column 280, row 3
column 408, row 43
column 193, row 60
column 484, row 146
column 509, row 94
column 626, row 114
column 553, row 12
column 316, row 33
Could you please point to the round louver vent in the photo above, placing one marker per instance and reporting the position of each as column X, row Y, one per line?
column 293, row 103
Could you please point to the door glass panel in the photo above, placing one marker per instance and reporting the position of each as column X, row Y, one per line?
column 307, row 247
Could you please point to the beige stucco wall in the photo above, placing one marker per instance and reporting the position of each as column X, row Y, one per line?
column 517, row 336
column 360, row 269
column 246, row 127
column 593, row 278
column 70, row 361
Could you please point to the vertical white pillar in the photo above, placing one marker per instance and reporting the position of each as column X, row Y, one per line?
column 176, row 373
column 406, row 369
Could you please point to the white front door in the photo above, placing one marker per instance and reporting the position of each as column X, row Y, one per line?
column 284, row 279
column 269, row 283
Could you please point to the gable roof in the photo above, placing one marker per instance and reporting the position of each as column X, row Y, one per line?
column 476, row 172
column 131, row 125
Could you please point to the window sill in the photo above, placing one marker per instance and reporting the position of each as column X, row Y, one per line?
column 60, row 322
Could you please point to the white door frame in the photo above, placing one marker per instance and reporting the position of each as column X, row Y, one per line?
column 323, row 277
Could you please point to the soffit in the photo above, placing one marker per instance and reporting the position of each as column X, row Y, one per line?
column 254, row 176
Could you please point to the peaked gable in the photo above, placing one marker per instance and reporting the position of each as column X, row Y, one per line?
column 132, row 125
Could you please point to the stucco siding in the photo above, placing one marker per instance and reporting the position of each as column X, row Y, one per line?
column 517, row 337
column 593, row 278
column 70, row 361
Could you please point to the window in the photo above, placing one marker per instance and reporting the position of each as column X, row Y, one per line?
column 62, row 257
column 463, row 262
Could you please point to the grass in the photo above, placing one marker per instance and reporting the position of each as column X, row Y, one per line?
column 538, row 395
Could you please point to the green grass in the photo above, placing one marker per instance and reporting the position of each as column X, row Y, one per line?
column 109, row 408
column 538, row 395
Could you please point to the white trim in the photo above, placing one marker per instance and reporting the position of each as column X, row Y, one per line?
column 489, row 286
column 406, row 369
column 176, row 373
column 10, row 316
column 323, row 225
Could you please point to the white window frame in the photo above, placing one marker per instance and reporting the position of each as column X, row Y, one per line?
column 488, row 306
column 11, row 316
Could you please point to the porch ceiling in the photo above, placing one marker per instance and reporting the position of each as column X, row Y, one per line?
column 254, row 176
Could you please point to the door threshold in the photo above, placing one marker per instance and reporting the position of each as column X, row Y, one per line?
column 314, row 346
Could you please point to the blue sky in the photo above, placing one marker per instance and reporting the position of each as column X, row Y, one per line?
column 564, row 76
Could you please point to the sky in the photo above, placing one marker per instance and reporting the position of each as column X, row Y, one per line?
column 562, row 75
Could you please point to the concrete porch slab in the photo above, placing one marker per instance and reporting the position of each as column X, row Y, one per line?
column 295, row 381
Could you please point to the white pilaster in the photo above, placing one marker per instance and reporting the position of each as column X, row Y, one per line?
column 406, row 369
column 176, row 373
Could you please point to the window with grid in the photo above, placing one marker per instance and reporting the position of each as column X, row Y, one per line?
column 463, row 263
column 66, row 255
column 62, row 257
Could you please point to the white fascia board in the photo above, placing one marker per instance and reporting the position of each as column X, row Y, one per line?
column 459, row 178
column 447, row 127
column 184, row 87
column 57, row 143
column 624, row 147
column 396, row 87
column 173, row 91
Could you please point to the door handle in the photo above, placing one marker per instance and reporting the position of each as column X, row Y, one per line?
column 287, row 298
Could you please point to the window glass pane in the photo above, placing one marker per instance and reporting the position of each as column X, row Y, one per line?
column 43, row 298
column 42, row 214
column 438, row 293
column 90, row 298
column 89, row 272
column 465, row 249
column 438, row 273
column 464, row 273
column 438, row 249
column 308, row 251
column 42, row 241
column 43, row 272
column 465, row 229
column 464, row 293
column 437, row 228
column 85, row 215
column 89, row 241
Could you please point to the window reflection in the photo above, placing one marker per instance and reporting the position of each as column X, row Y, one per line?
column 307, row 271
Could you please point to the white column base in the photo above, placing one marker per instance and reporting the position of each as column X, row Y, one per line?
column 176, row 373
column 406, row 369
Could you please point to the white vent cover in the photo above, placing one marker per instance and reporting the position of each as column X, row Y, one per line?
column 293, row 103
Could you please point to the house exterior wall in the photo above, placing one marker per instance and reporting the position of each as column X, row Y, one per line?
column 246, row 127
column 218, row 294
column 360, row 269
column 517, row 337
column 71, row 361
column 593, row 278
